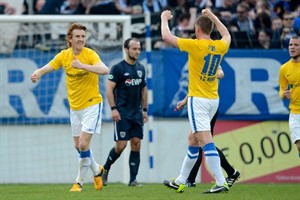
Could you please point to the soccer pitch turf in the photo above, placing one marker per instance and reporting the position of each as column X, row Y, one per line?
column 239, row 191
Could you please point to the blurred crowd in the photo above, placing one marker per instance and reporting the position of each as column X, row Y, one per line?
column 264, row 24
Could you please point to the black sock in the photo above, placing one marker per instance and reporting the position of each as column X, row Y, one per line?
column 194, row 171
column 225, row 164
column 134, row 163
column 112, row 157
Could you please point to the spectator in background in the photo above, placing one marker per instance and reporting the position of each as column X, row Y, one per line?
column 252, row 8
column 263, row 6
column 83, row 7
column 38, row 5
column 182, row 6
column 25, row 8
column 276, row 24
column 288, row 19
column 7, row 9
column 227, row 11
column 185, row 24
column 152, row 6
column 69, row 6
column 296, row 25
column 50, row 6
column 103, row 7
column 126, row 8
column 283, row 6
column 263, row 21
column 287, row 31
column 264, row 39
column 285, row 35
column 202, row 4
column 242, row 22
column 276, row 32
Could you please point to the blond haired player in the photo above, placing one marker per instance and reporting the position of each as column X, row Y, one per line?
column 289, row 82
column 204, row 57
column 82, row 67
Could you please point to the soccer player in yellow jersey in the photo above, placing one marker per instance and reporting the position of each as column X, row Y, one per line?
column 204, row 57
column 82, row 67
column 289, row 82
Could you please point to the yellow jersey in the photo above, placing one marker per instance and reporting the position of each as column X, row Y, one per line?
column 82, row 86
column 204, row 58
column 289, row 76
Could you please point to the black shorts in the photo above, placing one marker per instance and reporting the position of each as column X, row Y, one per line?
column 126, row 129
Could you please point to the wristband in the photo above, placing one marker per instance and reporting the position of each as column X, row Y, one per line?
column 145, row 109
column 113, row 107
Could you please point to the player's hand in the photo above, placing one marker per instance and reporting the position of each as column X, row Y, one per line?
column 76, row 63
column 145, row 117
column 115, row 115
column 166, row 15
column 220, row 74
column 286, row 93
column 207, row 12
column 180, row 105
column 35, row 77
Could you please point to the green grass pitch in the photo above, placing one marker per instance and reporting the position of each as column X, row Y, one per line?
column 240, row 191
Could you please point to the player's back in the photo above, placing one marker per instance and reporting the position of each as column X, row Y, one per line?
column 204, row 58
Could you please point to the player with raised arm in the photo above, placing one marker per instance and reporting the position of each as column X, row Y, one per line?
column 82, row 66
column 204, row 58
column 233, row 174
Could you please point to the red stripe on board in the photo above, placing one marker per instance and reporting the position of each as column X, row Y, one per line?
column 224, row 126
column 291, row 175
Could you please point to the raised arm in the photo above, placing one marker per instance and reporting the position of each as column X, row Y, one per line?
column 166, row 34
column 219, row 25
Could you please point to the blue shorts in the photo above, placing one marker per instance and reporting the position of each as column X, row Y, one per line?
column 126, row 129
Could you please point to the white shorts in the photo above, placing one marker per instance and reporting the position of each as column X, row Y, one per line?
column 201, row 112
column 294, row 123
column 87, row 120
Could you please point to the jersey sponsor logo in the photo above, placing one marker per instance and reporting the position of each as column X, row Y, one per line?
column 140, row 73
column 78, row 75
column 132, row 82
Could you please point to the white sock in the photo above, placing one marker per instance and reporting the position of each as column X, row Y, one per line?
column 94, row 165
column 213, row 161
column 84, row 165
column 187, row 165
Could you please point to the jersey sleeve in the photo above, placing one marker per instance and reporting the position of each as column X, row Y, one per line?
column 185, row 44
column 144, row 83
column 56, row 62
column 95, row 58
